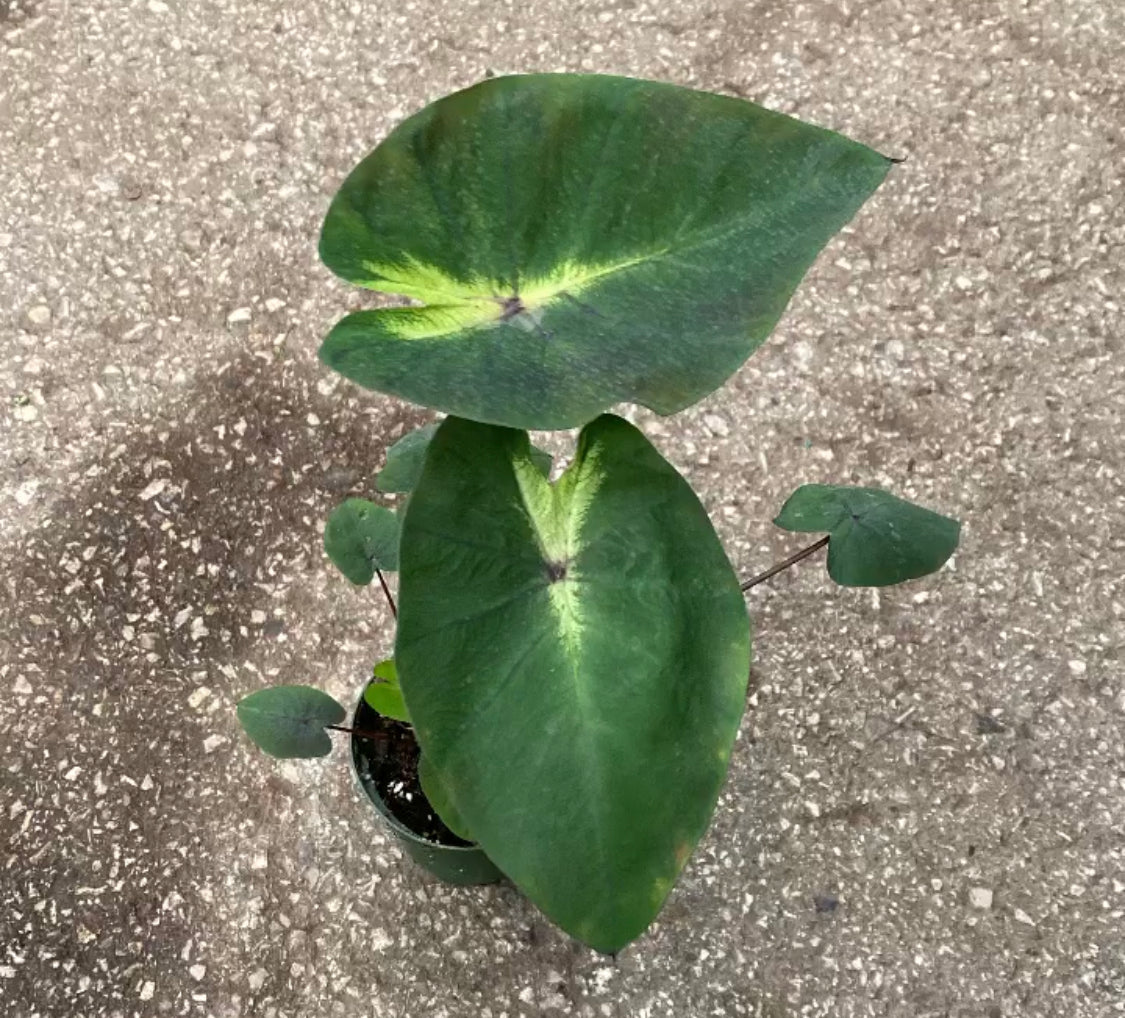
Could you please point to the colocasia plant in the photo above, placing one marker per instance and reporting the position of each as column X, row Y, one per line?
column 571, row 656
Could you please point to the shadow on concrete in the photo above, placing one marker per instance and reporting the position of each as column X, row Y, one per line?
column 171, row 561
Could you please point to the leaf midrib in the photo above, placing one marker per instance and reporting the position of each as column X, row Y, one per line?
column 752, row 218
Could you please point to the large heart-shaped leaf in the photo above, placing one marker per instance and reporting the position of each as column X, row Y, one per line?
column 361, row 537
column 288, row 721
column 575, row 660
column 439, row 799
column 875, row 538
column 575, row 241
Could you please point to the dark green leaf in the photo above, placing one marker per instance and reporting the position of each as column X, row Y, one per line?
column 575, row 658
column 288, row 721
column 404, row 460
column 383, row 693
column 875, row 538
column 542, row 460
column 575, row 241
column 406, row 457
column 361, row 537
column 436, row 795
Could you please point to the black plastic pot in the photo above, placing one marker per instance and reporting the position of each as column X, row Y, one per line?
column 455, row 864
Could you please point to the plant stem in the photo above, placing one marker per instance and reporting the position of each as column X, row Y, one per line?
column 792, row 560
column 387, row 592
column 377, row 736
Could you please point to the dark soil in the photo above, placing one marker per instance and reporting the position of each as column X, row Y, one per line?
column 388, row 767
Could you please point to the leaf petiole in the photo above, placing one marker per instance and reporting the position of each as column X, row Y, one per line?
column 359, row 732
column 781, row 566
column 387, row 592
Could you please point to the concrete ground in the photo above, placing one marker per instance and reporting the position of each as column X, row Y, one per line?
column 926, row 810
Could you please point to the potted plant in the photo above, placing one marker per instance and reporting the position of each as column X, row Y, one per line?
column 571, row 657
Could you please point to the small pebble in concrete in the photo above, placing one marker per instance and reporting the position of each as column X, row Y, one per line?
column 25, row 493
column 153, row 488
column 716, row 425
column 988, row 725
column 980, row 897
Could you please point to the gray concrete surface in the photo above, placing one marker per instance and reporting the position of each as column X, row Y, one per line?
column 926, row 812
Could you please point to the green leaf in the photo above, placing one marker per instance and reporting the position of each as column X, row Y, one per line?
column 437, row 796
column 542, row 460
column 406, row 457
column 288, row 721
column 575, row 658
column 404, row 460
column 383, row 693
column 361, row 537
column 574, row 241
column 875, row 538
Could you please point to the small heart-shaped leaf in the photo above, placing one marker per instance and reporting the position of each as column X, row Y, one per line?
column 361, row 537
column 541, row 460
column 407, row 456
column 404, row 460
column 383, row 693
column 875, row 538
column 288, row 721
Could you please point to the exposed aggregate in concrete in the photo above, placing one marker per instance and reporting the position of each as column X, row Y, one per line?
column 926, row 811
